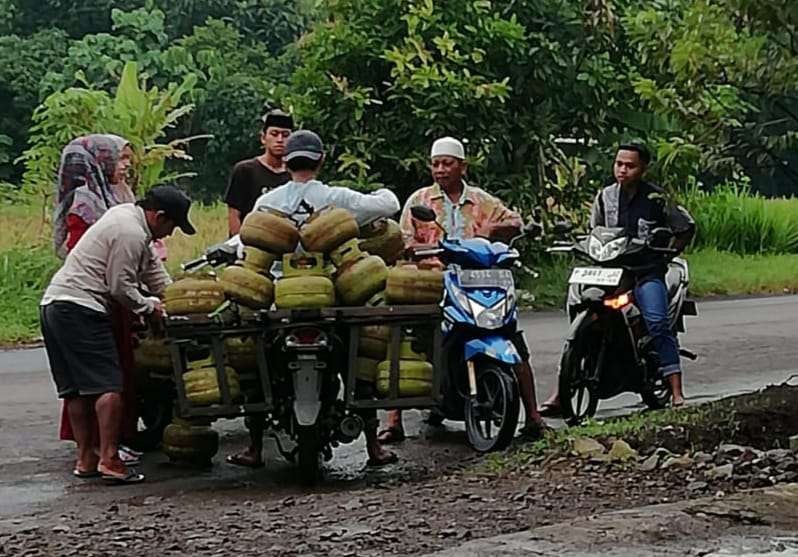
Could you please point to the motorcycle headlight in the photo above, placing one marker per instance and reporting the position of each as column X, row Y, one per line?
column 488, row 318
column 605, row 252
column 594, row 247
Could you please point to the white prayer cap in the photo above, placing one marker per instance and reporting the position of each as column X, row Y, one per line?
column 448, row 146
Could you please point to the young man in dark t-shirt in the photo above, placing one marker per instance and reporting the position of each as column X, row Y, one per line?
column 253, row 177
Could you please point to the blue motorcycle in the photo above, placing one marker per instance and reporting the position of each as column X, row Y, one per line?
column 480, row 322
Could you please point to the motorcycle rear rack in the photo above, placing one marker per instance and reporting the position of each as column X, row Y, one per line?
column 183, row 332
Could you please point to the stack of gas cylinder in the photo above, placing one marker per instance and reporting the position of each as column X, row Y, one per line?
column 405, row 284
column 266, row 236
column 192, row 440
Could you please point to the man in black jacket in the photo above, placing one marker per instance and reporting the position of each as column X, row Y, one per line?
column 640, row 207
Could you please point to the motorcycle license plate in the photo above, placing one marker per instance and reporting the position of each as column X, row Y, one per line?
column 486, row 278
column 599, row 276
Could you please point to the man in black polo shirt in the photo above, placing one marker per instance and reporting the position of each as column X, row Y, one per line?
column 253, row 177
column 640, row 207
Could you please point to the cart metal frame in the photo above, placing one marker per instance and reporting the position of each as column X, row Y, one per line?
column 185, row 331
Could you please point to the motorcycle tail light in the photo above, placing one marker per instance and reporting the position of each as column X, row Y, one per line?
column 618, row 302
column 306, row 336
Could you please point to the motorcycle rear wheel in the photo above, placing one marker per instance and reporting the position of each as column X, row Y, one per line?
column 496, row 407
column 309, row 454
column 578, row 399
column 155, row 408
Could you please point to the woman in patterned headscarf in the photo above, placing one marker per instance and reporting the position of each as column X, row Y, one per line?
column 91, row 180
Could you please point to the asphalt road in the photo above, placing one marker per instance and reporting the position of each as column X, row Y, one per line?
column 742, row 345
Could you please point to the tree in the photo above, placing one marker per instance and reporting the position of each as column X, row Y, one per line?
column 726, row 72
column 23, row 61
column 139, row 114
column 380, row 79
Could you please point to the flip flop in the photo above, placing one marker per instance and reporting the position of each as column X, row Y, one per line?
column 391, row 459
column 391, row 435
column 129, row 459
column 86, row 475
column 237, row 460
column 132, row 452
column 131, row 477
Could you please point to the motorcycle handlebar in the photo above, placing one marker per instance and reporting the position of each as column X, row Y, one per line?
column 194, row 263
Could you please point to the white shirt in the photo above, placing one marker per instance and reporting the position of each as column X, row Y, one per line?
column 109, row 262
column 302, row 199
column 299, row 200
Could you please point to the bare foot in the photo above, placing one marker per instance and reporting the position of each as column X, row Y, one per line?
column 247, row 459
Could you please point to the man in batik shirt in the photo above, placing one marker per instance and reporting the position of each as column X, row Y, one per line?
column 464, row 211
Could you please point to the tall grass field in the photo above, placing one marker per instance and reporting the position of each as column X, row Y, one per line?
column 745, row 244
column 732, row 219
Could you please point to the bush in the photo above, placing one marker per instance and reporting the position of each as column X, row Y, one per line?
column 733, row 219
column 24, row 274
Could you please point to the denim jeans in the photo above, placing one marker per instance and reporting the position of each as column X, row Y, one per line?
column 652, row 300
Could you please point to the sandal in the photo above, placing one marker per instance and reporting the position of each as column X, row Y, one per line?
column 391, row 435
column 88, row 474
column 391, row 458
column 244, row 460
column 550, row 410
column 132, row 452
column 130, row 477
column 128, row 458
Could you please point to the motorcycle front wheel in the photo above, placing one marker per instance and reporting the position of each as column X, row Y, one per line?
column 492, row 416
column 578, row 399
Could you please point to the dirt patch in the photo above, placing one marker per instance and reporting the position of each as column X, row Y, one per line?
column 414, row 516
column 764, row 420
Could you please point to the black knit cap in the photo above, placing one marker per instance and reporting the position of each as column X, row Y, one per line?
column 278, row 119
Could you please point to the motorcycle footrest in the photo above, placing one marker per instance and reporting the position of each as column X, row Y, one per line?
column 690, row 355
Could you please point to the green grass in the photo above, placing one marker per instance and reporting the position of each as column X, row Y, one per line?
column 712, row 273
column 24, row 273
column 732, row 219
column 715, row 273
column 559, row 441
column 27, row 262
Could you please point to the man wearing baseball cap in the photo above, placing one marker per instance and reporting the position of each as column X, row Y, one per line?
column 109, row 263
column 464, row 211
column 301, row 197
column 253, row 177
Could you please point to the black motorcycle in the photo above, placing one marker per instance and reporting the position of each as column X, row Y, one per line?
column 302, row 389
column 608, row 350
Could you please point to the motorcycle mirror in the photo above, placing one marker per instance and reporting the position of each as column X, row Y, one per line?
column 562, row 228
column 533, row 229
column 424, row 214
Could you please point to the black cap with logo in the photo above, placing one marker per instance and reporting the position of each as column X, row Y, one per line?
column 173, row 202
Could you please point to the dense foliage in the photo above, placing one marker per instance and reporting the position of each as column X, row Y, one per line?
column 541, row 90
